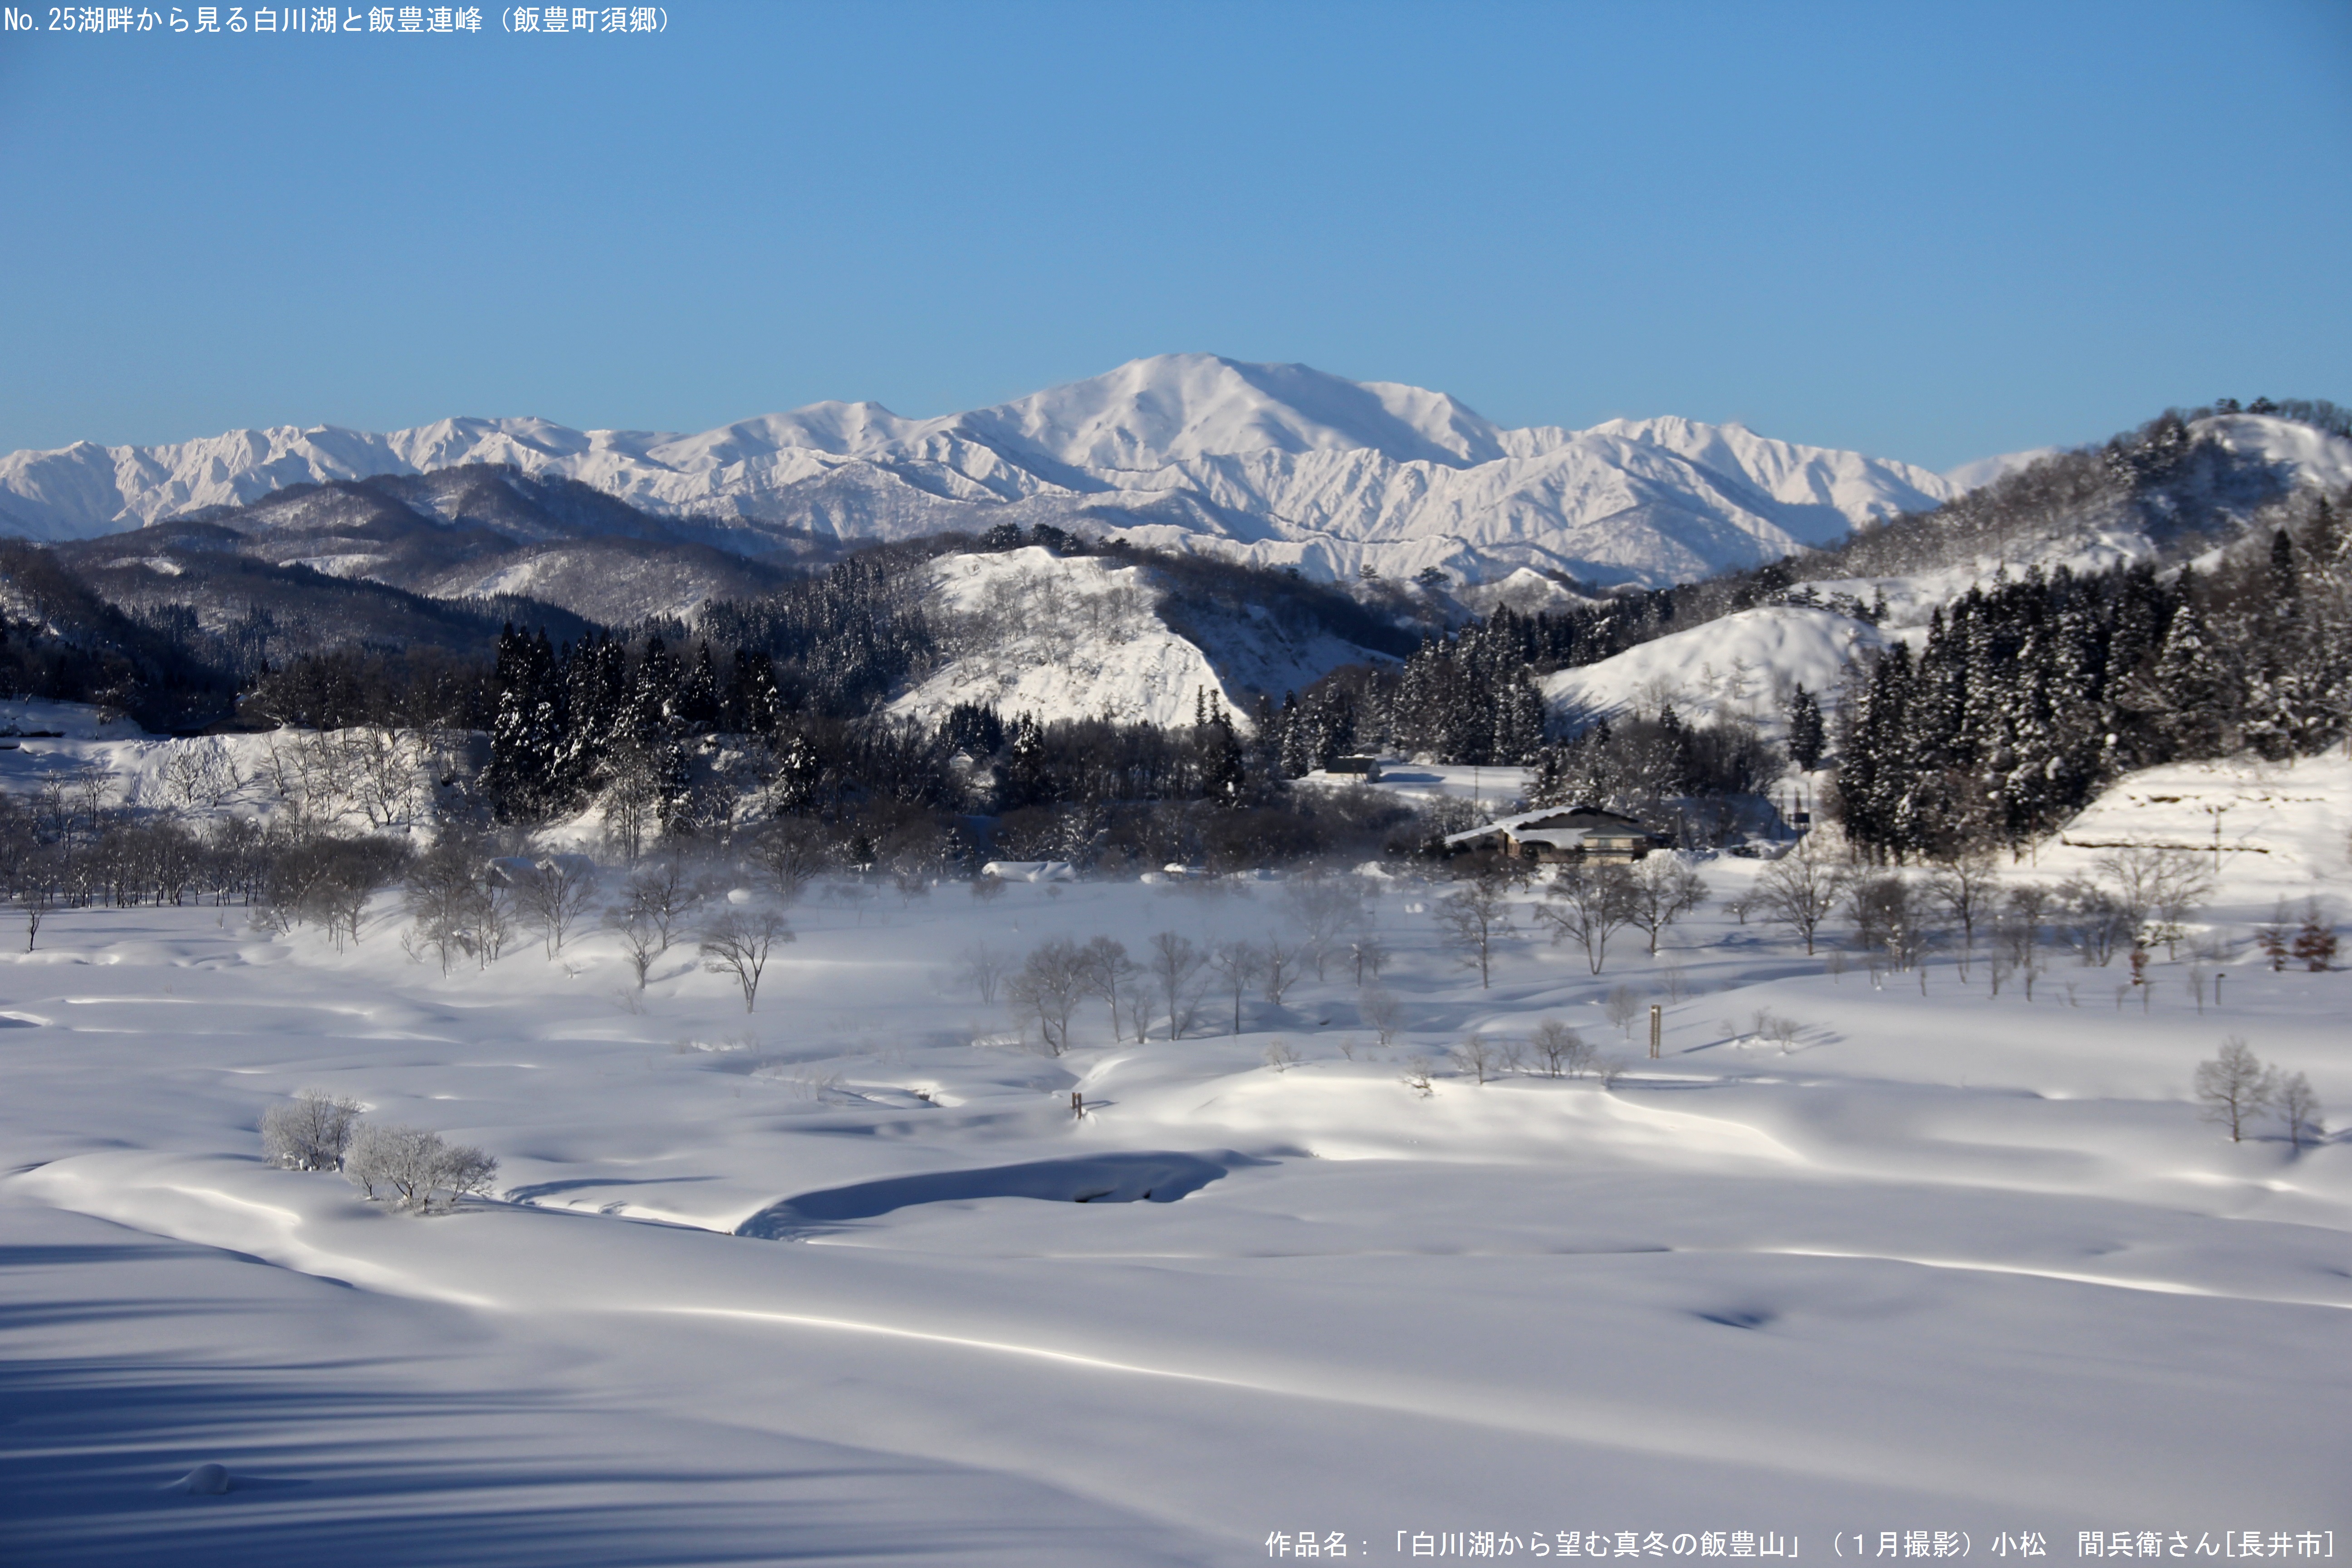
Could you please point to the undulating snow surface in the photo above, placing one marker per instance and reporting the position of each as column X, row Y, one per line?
column 1940, row 1261
column 1280, row 464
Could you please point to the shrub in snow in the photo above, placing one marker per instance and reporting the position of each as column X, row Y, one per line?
column 1561, row 1048
column 312, row 1133
column 2271, row 938
column 409, row 1165
column 2314, row 943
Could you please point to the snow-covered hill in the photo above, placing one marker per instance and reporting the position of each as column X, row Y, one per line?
column 1029, row 632
column 1741, row 663
column 1280, row 464
column 1742, row 666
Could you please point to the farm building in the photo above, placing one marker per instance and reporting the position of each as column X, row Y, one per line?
column 1561, row 833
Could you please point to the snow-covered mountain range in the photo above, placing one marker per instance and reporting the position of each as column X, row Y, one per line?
column 1279, row 464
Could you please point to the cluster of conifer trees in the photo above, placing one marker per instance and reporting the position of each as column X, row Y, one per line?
column 2032, row 694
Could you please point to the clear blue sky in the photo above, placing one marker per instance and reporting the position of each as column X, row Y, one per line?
column 1927, row 231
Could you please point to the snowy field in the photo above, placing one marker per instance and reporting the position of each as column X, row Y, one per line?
column 815, row 1282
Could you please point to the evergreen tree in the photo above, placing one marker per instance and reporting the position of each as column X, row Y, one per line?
column 695, row 707
column 1807, row 738
column 525, row 776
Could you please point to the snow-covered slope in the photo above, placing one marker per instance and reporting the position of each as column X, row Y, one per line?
column 1742, row 665
column 1281, row 464
column 1029, row 632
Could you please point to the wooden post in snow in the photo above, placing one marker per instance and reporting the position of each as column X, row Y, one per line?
column 1657, row 1028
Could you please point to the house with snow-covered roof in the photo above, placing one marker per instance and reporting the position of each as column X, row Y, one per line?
column 1561, row 834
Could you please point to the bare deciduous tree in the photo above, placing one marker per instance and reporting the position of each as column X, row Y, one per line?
column 1049, row 987
column 2235, row 1087
column 794, row 852
column 1890, row 919
column 1472, row 919
column 2092, row 920
column 2154, row 890
column 1588, row 904
column 1137, row 991
column 2298, row 1104
column 441, row 886
column 631, row 800
column 1175, row 962
column 1663, row 891
column 639, row 943
column 739, row 943
column 554, row 896
column 1384, row 1011
column 199, row 776
column 661, row 895
column 89, row 785
column 1239, row 965
column 1324, row 909
column 1623, row 1006
column 332, row 880
column 1104, row 969
column 984, row 969
column 36, row 882
column 1964, row 884
column 1280, row 972
column 1801, row 890
column 1478, row 1057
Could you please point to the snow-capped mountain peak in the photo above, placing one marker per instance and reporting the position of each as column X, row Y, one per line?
column 1150, row 413
column 1281, row 464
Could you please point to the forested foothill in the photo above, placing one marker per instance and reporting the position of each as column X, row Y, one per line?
column 2030, row 687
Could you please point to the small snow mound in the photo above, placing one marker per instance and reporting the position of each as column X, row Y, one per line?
column 204, row 1480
